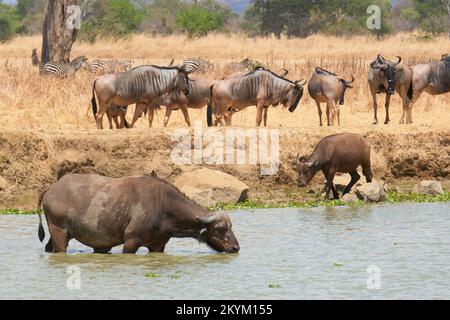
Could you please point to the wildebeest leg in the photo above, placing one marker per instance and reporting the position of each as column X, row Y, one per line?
column 151, row 115
column 186, row 115
column 227, row 118
column 266, row 110
column 375, row 108
column 319, row 111
column 338, row 112
column 167, row 116
column 102, row 251
column 110, row 118
column 131, row 246
column 116, row 122
column 367, row 171
column 60, row 238
column 355, row 179
column 259, row 114
column 386, row 106
column 329, row 110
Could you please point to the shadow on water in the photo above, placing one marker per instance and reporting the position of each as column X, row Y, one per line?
column 152, row 260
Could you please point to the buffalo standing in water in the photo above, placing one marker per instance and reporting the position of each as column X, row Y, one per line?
column 103, row 212
column 342, row 153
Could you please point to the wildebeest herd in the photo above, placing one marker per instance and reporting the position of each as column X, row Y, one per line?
column 150, row 87
column 147, row 211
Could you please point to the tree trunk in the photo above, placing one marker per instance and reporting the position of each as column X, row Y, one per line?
column 57, row 37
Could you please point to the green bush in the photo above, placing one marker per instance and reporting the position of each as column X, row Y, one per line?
column 6, row 30
column 197, row 21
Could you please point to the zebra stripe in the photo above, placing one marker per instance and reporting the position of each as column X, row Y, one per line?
column 64, row 69
column 110, row 66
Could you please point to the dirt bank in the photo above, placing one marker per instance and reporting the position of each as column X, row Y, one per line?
column 31, row 160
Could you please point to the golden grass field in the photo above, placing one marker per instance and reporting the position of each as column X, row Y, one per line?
column 30, row 101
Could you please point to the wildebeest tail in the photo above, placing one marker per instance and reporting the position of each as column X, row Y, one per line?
column 209, row 110
column 94, row 101
column 41, row 231
column 410, row 91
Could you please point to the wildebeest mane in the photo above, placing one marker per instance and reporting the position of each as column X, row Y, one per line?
column 269, row 71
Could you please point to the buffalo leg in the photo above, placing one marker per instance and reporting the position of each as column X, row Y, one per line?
column 375, row 108
column 102, row 250
column 59, row 238
column 329, row 175
column 159, row 248
column 186, row 115
column 367, row 171
column 116, row 122
column 386, row 106
column 355, row 179
column 319, row 111
column 131, row 246
column 167, row 116
column 49, row 246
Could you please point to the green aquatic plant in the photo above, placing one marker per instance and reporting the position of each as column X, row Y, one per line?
column 274, row 286
column 152, row 275
column 11, row 211
column 337, row 265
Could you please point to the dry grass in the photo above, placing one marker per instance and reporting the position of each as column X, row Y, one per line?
column 29, row 101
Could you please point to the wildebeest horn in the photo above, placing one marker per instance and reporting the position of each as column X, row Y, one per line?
column 285, row 73
column 350, row 82
column 299, row 82
column 171, row 62
column 399, row 60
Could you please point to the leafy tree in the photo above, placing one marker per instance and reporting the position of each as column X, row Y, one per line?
column 198, row 20
column 9, row 22
column 111, row 18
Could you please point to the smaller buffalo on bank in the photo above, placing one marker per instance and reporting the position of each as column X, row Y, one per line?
column 342, row 153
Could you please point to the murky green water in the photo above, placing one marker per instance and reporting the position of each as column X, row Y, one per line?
column 285, row 254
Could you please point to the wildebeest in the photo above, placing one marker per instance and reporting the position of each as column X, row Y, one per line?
column 433, row 78
column 389, row 77
column 199, row 96
column 261, row 87
column 143, row 84
column 342, row 153
column 326, row 86
column 103, row 212
column 64, row 69
column 117, row 114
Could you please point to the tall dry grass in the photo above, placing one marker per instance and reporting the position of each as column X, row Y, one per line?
column 30, row 101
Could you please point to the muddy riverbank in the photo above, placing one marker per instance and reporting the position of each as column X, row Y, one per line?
column 31, row 160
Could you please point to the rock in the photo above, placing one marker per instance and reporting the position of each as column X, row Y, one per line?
column 350, row 197
column 210, row 187
column 429, row 187
column 371, row 192
column 340, row 182
column 3, row 184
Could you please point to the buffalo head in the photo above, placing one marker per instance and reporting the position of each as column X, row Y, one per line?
column 307, row 169
column 294, row 95
column 217, row 233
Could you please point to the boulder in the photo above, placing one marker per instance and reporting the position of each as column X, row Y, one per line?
column 3, row 184
column 340, row 182
column 350, row 197
column 371, row 192
column 210, row 187
column 429, row 187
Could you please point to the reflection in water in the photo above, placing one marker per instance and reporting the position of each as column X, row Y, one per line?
column 314, row 253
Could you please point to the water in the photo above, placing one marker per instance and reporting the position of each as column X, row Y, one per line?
column 285, row 254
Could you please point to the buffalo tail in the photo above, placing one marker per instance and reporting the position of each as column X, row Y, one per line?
column 94, row 101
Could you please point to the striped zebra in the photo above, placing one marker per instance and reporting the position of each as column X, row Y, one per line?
column 200, row 65
column 99, row 67
column 244, row 65
column 64, row 69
